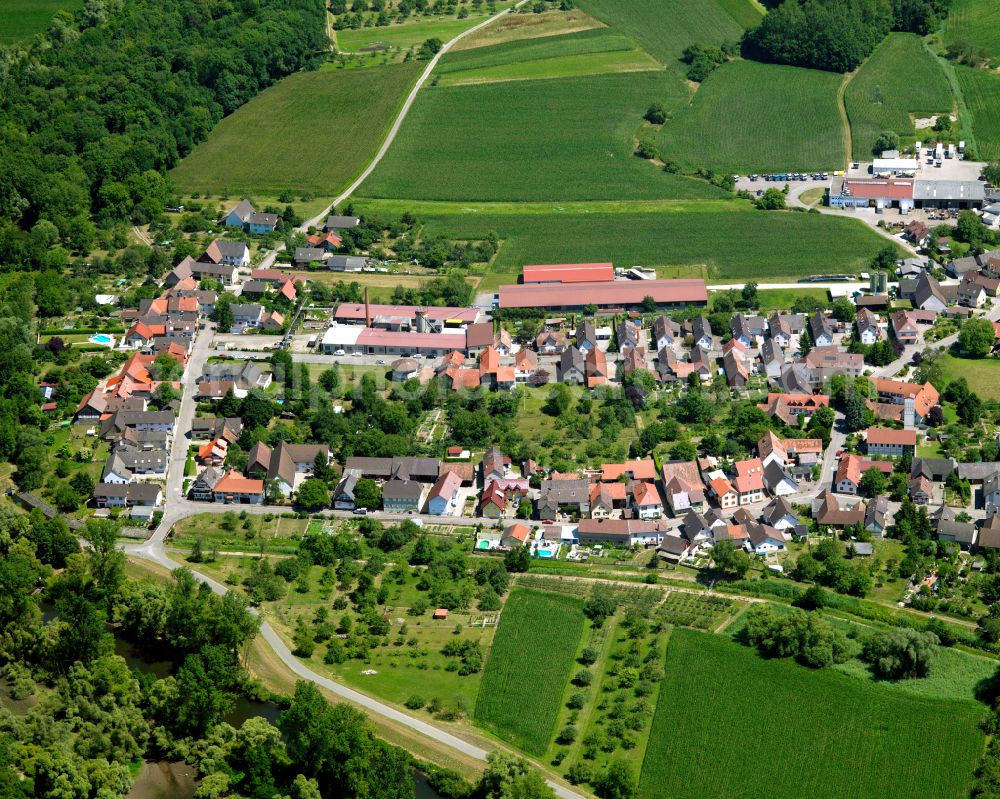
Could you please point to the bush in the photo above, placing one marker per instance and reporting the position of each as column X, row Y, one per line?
column 415, row 702
column 901, row 653
column 577, row 700
column 566, row 735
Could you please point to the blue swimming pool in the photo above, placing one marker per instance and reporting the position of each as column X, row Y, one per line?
column 545, row 553
column 102, row 338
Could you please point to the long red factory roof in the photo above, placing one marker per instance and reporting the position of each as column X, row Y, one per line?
column 386, row 338
column 356, row 311
column 618, row 292
column 569, row 273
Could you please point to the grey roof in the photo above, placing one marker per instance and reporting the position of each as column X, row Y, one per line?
column 770, row 352
column 334, row 222
column 425, row 469
column 701, row 327
column 960, row 266
column 862, row 548
column 208, row 478
column 402, row 489
column 674, row 545
column 236, row 371
column 978, row 472
column 777, row 509
column 345, row 488
column 346, row 262
column 246, row 310
column 565, row 492
column 796, row 379
column 256, row 287
column 309, row 254
column 243, row 210
column 585, row 332
column 932, row 468
column 876, row 512
column 571, row 358
column 925, row 288
column 949, row 527
column 969, row 190
column 137, row 493
column 820, row 325
column 232, row 249
column 263, row 219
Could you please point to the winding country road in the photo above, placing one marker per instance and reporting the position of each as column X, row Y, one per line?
column 396, row 125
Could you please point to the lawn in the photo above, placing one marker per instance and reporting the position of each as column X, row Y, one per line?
column 901, row 78
column 974, row 22
column 723, row 709
column 20, row 19
column 586, row 53
column 665, row 27
column 982, row 375
column 787, row 120
column 981, row 91
column 724, row 241
column 528, row 667
column 559, row 139
column 312, row 131
column 783, row 299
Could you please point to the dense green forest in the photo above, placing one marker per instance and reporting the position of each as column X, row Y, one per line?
column 94, row 112
column 836, row 35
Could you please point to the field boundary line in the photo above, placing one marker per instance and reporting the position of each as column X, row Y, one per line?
column 408, row 103
column 845, row 118
column 965, row 116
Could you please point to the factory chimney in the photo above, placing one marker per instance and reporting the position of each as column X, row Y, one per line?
column 368, row 311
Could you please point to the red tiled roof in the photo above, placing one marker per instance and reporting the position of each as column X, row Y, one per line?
column 236, row 483
column 639, row 469
column 875, row 189
column 887, row 435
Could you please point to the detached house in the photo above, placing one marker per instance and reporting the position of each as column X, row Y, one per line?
column 646, row 500
column 444, row 494
column 586, row 337
column 683, row 487
column 665, row 333
column 550, row 342
column 868, row 327
column 821, row 329
column 239, row 215
column 572, row 366
column 222, row 252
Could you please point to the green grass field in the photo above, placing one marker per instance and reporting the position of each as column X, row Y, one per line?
column 565, row 139
column 974, row 22
column 982, row 375
column 665, row 27
column 20, row 19
column 981, row 90
column 721, row 240
column 746, row 13
column 528, row 667
column 901, row 78
column 752, row 117
column 312, row 131
column 730, row 724
column 590, row 52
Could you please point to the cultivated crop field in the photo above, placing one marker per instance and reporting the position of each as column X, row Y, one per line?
column 312, row 131
column 901, row 78
column 753, row 117
column 665, row 27
column 746, row 13
column 565, row 139
column 529, row 666
column 20, row 19
column 727, row 721
column 703, row 612
column 722, row 241
column 981, row 90
column 974, row 22
column 590, row 52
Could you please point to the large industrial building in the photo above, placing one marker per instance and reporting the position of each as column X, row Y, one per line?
column 569, row 273
column 906, row 193
column 604, row 294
